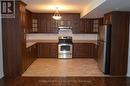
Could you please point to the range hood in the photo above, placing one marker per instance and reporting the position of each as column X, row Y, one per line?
column 65, row 31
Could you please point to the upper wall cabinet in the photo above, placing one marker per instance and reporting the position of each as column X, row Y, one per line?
column 90, row 25
column 44, row 23
column 108, row 18
column 35, row 21
column 28, row 22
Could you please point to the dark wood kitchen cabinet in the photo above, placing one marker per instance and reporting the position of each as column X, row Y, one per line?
column 119, row 41
column 14, row 41
column 35, row 23
column 34, row 52
column 90, row 25
column 80, row 50
column 46, row 24
column 84, row 50
column 107, row 18
column 31, row 55
column 47, row 50
column 28, row 22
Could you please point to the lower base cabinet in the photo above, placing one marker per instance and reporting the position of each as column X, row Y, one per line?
column 80, row 50
column 84, row 50
column 47, row 50
column 31, row 55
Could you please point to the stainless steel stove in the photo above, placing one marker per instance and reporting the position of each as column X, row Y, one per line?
column 65, row 47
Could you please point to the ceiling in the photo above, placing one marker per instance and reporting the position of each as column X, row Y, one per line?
column 87, row 8
column 108, row 6
column 48, row 6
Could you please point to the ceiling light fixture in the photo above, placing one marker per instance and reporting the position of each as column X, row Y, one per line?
column 56, row 15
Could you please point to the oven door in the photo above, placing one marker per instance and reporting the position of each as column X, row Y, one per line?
column 65, row 48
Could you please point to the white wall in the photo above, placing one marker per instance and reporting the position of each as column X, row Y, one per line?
column 1, row 55
column 128, row 72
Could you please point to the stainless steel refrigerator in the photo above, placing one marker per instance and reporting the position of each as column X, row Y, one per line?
column 104, row 48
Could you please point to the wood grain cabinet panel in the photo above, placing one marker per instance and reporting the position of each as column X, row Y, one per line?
column 46, row 24
column 16, row 57
column 108, row 18
column 14, row 41
column 43, row 50
column 90, row 25
column 48, row 50
column 31, row 55
column 83, row 50
column 80, row 50
column 28, row 21
column 54, row 50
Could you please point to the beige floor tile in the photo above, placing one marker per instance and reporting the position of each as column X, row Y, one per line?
column 63, row 67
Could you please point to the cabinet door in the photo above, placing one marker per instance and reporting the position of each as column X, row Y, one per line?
column 31, row 55
column 43, row 50
column 90, row 25
column 83, row 50
column 47, row 50
column 34, row 52
column 26, row 59
column 35, row 23
column 53, row 50
column 107, row 18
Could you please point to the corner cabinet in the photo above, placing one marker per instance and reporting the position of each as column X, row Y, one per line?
column 31, row 56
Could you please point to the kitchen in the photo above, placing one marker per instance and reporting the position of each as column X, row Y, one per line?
column 33, row 42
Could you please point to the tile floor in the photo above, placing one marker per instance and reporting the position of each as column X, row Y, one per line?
column 63, row 68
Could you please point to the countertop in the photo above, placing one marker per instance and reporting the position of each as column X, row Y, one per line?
column 30, row 43
column 53, row 38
